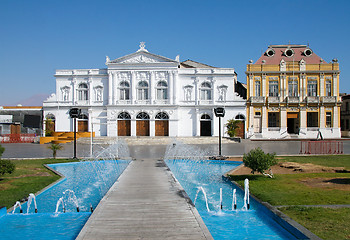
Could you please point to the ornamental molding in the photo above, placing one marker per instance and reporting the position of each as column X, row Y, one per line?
column 124, row 76
column 162, row 76
column 140, row 59
column 143, row 76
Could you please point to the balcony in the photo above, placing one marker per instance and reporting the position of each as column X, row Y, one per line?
column 161, row 101
column 257, row 99
column 292, row 99
column 273, row 99
column 312, row 99
column 329, row 99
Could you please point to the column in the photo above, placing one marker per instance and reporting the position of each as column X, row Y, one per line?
column 152, row 127
column 322, row 84
column 91, row 95
column 197, row 123
column 196, row 95
column 171, row 87
column 73, row 90
column 133, row 90
column 251, row 85
column 264, row 123
column 263, row 83
column 152, row 87
column 335, row 117
column 110, row 86
column 214, row 90
column 174, row 87
column 114, row 88
column 283, row 119
column 133, row 127
column 335, row 84
column 303, row 122
column 322, row 118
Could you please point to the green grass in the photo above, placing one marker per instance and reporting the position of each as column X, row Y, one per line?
column 30, row 176
column 324, row 222
column 289, row 189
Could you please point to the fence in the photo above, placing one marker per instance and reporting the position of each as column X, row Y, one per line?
column 321, row 147
column 17, row 138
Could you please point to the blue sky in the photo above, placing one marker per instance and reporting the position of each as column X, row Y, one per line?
column 38, row 37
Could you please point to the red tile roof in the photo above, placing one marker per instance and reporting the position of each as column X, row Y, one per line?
column 280, row 54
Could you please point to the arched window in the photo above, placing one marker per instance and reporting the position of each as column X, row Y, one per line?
column 205, row 117
column 124, row 115
column 142, row 90
column 162, row 115
column 162, row 90
column 142, row 115
column 124, row 90
column 83, row 92
column 205, row 91
column 240, row 117
column 50, row 116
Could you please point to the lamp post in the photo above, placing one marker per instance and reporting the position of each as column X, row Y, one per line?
column 219, row 112
column 74, row 114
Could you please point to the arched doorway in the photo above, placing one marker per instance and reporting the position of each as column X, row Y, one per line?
column 50, row 124
column 124, row 128
column 162, row 124
column 83, row 123
column 205, row 125
column 142, row 124
column 241, row 126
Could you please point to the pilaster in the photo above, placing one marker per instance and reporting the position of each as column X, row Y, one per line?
column 133, row 97
column 110, row 88
column 322, row 85
column 171, row 87
column 152, row 127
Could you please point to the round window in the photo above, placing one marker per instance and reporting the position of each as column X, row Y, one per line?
column 270, row 52
column 289, row 52
column 308, row 52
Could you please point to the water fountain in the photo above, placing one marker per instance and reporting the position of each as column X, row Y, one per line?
column 17, row 204
column 234, row 200
column 205, row 197
column 30, row 199
column 246, row 194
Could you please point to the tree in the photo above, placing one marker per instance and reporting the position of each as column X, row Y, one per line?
column 258, row 161
column 232, row 126
column 6, row 166
column 55, row 147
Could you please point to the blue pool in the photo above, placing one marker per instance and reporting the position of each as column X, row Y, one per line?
column 90, row 181
column 256, row 223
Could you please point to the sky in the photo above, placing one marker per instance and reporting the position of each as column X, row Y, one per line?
column 38, row 37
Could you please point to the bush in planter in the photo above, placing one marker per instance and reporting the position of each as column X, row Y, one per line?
column 258, row 161
column 231, row 127
column 55, row 147
column 6, row 166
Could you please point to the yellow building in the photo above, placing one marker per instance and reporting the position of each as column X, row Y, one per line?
column 292, row 93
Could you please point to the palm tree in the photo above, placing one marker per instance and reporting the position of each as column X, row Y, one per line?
column 55, row 147
column 231, row 126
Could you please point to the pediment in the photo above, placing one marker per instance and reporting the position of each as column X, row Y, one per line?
column 141, row 57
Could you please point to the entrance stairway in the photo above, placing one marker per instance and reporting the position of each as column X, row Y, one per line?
column 64, row 137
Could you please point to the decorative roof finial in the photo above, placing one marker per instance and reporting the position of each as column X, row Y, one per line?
column 142, row 47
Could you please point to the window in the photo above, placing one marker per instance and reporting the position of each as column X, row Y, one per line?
column 257, row 89
column 292, row 88
column 142, row 115
column 312, row 119
column 83, row 92
column 273, row 119
column 124, row 115
column 206, row 91
column 328, row 88
column 162, row 115
column 240, row 117
column 205, row 117
column 328, row 119
column 273, row 88
column 124, row 90
column 312, row 88
column 143, row 90
column 162, row 90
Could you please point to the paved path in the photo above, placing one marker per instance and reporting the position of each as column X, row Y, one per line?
column 145, row 203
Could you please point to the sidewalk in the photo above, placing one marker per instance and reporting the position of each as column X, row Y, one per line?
column 145, row 203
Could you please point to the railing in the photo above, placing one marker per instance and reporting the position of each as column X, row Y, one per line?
column 329, row 99
column 257, row 99
column 321, row 147
column 273, row 99
column 312, row 99
column 292, row 99
column 17, row 138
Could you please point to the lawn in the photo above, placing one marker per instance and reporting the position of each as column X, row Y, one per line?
column 30, row 176
column 292, row 189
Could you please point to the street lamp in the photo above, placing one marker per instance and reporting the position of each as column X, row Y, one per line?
column 74, row 113
column 219, row 112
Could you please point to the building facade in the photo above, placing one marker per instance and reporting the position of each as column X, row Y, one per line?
column 144, row 94
column 345, row 116
column 292, row 93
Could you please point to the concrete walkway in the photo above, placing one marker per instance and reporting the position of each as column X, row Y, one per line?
column 145, row 203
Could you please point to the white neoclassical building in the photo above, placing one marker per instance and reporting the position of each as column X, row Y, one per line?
column 144, row 94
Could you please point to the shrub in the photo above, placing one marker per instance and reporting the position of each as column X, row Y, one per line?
column 258, row 161
column 232, row 126
column 55, row 147
column 2, row 149
column 6, row 166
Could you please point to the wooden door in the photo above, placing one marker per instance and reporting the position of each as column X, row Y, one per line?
column 124, row 128
column 162, row 128
column 15, row 128
column 142, row 128
column 240, row 130
column 205, row 128
column 83, row 126
column 257, row 124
